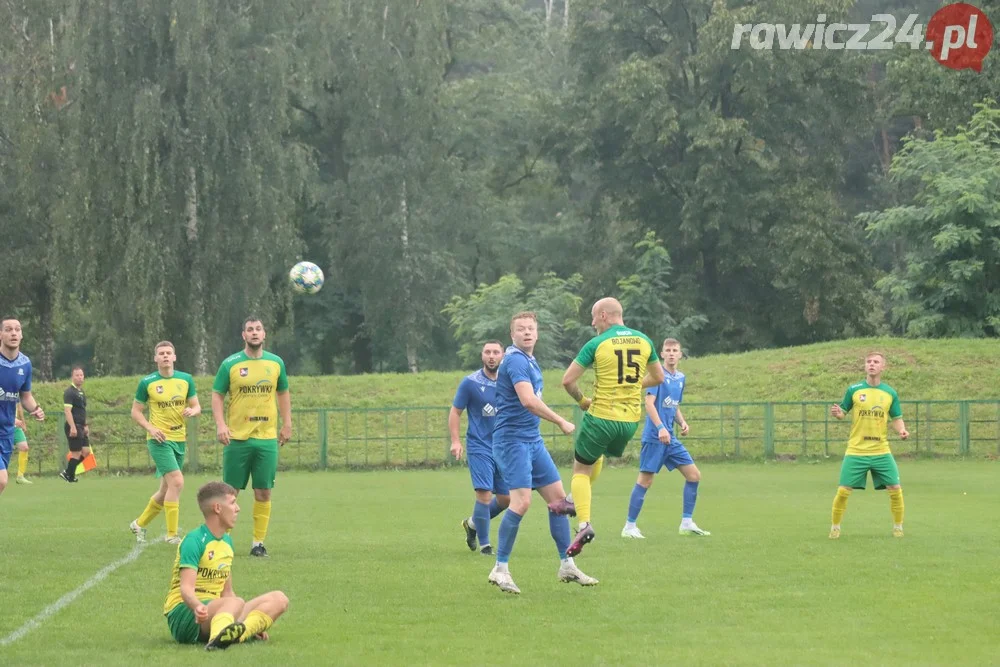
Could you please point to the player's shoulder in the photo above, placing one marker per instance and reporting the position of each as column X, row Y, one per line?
column 186, row 377
column 235, row 358
column 888, row 389
column 152, row 377
column 20, row 360
column 271, row 356
column 858, row 385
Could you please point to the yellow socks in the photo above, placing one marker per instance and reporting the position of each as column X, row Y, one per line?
column 173, row 515
column 152, row 510
column 896, row 505
column 840, row 504
column 595, row 472
column 580, row 486
column 256, row 622
column 22, row 463
column 219, row 623
column 261, row 517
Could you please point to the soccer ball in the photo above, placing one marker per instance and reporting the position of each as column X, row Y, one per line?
column 306, row 278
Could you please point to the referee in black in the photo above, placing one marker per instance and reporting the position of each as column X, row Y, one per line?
column 77, row 430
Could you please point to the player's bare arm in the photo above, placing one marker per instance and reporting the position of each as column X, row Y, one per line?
column 569, row 383
column 32, row 407
column 654, row 376
column 900, row 428
column 537, row 407
column 679, row 418
column 836, row 411
column 139, row 417
column 285, row 410
column 193, row 408
column 453, row 430
column 219, row 413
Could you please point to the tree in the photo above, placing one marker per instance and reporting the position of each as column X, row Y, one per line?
column 485, row 314
column 947, row 281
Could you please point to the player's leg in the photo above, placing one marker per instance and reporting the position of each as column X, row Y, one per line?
column 591, row 444
column 853, row 475
column 263, row 470
column 678, row 457
column 885, row 475
column 236, row 457
column 153, row 509
column 260, row 613
column 500, row 502
column 21, row 443
column 514, row 460
column 651, row 458
column 171, row 502
column 4, row 458
column 545, row 478
column 222, row 629
column 477, row 526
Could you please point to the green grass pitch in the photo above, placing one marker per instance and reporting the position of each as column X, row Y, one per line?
column 377, row 571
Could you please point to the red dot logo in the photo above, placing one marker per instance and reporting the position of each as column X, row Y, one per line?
column 959, row 36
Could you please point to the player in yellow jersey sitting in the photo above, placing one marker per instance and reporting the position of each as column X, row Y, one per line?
column 171, row 397
column 621, row 357
column 872, row 404
column 258, row 389
column 201, row 604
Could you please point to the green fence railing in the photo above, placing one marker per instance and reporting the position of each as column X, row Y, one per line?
column 344, row 438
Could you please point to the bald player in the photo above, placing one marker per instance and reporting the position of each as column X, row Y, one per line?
column 620, row 357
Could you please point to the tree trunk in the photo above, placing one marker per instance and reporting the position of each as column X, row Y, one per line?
column 408, row 324
column 46, row 352
column 565, row 14
column 198, row 332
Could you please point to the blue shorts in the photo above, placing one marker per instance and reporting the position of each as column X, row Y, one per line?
column 525, row 465
column 655, row 455
column 6, row 449
column 486, row 474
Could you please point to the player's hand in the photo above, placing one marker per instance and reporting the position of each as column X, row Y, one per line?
column 72, row 431
column 156, row 434
column 567, row 427
column 19, row 423
column 684, row 428
column 285, row 434
column 222, row 434
column 664, row 436
column 187, row 412
column 456, row 450
column 585, row 403
column 86, row 430
column 38, row 414
column 261, row 636
column 200, row 614
column 904, row 434
column 836, row 411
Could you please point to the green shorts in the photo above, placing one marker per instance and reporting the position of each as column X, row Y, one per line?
column 598, row 437
column 183, row 628
column 19, row 436
column 854, row 471
column 167, row 455
column 243, row 459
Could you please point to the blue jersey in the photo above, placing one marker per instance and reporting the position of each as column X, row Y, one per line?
column 514, row 423
column 15, row 377
column 477, row 394
column 668, row 396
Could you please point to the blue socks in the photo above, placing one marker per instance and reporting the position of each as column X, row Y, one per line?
column 690, row 497
column 559, row 528
column 495, row 508
column 635, row 502
column 508, row 533
column 481, row 519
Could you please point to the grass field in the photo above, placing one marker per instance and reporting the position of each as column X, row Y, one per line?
column 377, row 572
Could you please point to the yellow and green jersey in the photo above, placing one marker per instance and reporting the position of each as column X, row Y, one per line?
column 252, row 385
column 167, row 397
column 619, row 357
column 874, row 408
column 211, row 556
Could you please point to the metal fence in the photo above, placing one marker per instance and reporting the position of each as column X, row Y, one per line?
column 345, row 438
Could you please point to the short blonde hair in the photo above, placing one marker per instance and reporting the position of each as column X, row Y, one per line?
column 671, row 341
column 876, row 353
column 523, row 315
column 163, row 343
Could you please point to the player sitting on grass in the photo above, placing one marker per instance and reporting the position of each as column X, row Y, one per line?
column 201, row 605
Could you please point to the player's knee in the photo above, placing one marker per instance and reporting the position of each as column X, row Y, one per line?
column 693, row 475
column 280, row 601
column 520, row 505
column 503, row 502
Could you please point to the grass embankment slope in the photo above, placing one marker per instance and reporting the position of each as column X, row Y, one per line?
column 918, row 369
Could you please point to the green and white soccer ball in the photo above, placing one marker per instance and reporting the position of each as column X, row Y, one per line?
column 306, row 278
